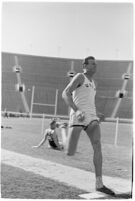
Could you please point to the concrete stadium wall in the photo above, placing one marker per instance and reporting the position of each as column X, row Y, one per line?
column 48, row 74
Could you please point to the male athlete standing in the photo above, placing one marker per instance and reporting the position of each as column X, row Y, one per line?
column 79, row 95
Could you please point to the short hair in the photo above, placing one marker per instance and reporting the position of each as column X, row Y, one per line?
column 52, row 121
column 86, row 60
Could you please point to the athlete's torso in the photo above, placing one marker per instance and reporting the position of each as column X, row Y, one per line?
column 84, row 96
column 50, row 137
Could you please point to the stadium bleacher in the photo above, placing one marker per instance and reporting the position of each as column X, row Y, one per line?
column 48, row 74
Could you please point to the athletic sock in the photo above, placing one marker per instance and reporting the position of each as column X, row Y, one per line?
column 99, row 182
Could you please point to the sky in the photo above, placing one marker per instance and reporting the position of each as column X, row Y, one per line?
column 68, row 29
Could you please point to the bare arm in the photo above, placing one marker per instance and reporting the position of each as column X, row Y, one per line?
column 42, row 141
column 67, row 93
column 100, row 116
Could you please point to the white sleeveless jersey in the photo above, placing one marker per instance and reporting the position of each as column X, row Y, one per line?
column 84, row 99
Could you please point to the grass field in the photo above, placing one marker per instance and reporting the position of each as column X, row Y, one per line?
column 21, row 134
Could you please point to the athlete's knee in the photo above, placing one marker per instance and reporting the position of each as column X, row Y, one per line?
column 95, row 124
column 97, row 145
column 92, row 126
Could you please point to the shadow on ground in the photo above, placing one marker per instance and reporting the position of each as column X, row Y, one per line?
column 124, row 195
column 118, row 196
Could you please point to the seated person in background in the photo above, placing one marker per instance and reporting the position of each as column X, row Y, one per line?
column 50, row 134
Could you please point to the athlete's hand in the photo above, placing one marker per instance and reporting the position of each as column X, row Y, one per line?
column 80, row 115
column 101, row 116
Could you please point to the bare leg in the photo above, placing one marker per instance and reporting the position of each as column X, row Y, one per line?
column 64, row 136
column 93, row 132
column 72, row 139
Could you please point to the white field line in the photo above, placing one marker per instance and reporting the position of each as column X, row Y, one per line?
column 74, row 177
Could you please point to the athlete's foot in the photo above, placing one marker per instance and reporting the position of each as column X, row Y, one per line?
column 106, row 190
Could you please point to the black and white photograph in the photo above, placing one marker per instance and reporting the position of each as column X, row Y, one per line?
column 67, row 100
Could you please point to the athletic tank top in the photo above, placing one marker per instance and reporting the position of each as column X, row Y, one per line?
column 84, row 97
column 50, row 137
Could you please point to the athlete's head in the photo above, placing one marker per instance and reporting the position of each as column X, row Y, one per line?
column 53, row 124
column 89, row 65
